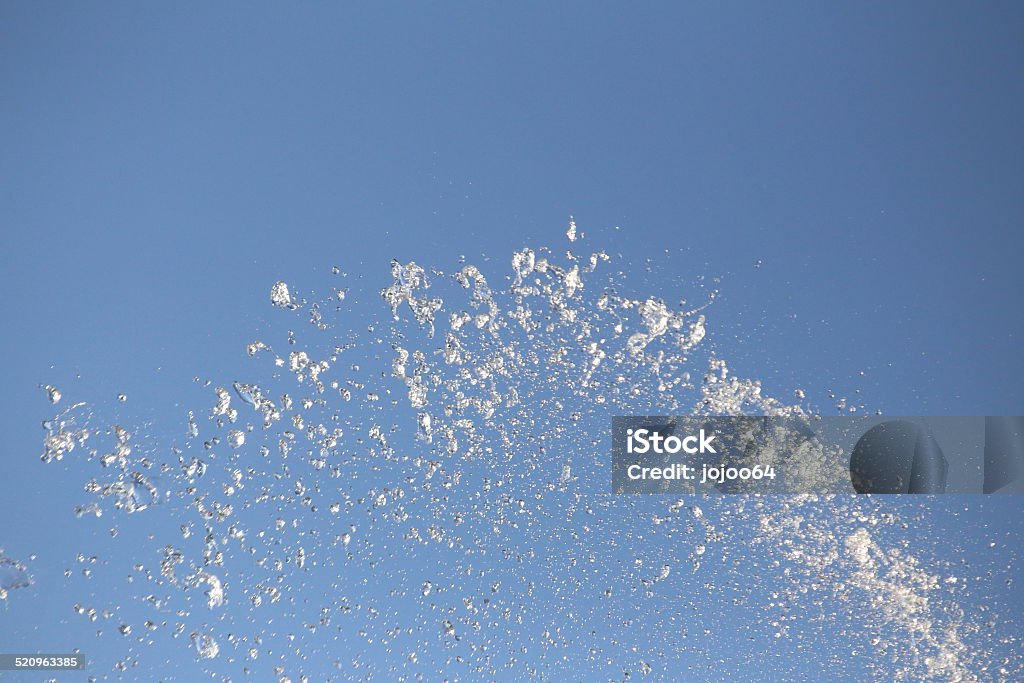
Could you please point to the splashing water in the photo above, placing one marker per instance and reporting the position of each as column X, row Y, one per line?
column 206, row 645
column 431, row 500
column 13, row 575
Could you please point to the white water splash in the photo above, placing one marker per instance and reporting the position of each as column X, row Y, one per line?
column 442, row 502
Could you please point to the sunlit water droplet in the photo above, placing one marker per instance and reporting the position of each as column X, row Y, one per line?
column 280, row 296
column 205, row 645
column 13, row 575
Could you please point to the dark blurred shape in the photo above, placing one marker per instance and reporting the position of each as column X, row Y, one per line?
column 1004, row 451
column 898, row 457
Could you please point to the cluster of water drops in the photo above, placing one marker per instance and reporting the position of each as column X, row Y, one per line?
column 425, row 494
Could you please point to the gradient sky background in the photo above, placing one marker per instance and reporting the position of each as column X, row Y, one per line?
column 161, row 168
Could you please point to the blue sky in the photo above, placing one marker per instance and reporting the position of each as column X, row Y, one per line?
column 868, row 155
column 851, row 172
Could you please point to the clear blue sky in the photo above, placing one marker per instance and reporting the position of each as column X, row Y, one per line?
column 161, row 167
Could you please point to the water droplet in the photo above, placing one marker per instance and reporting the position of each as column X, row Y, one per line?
column 280, row 296
column 205, row 644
